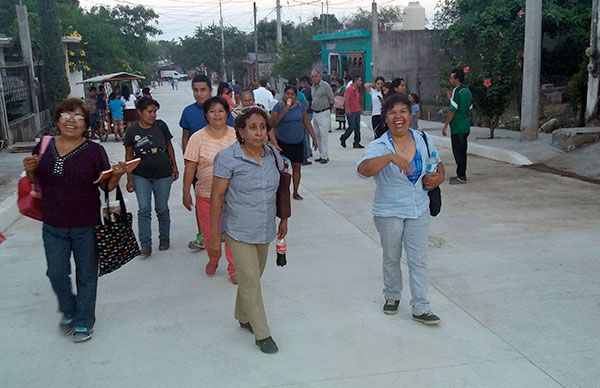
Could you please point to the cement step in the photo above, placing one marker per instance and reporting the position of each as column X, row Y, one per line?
column 568, row 139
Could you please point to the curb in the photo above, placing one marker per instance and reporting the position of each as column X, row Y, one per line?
column 493, row 153
column 9, row 212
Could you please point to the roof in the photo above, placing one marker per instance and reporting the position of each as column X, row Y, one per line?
column 343, row 35
column 121, row 76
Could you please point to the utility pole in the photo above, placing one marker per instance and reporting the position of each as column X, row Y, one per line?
column 374, row 37
column 593, row 52
column 222, row 43
column 256, row 75
column 327, row 17
column 322, row 18
column 279, row 43
column 532, row 54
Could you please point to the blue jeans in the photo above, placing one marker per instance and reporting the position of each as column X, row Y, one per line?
column 414, row 233
column 144, row 188
column 353, row 125
column 59, row 243
column 306, row 144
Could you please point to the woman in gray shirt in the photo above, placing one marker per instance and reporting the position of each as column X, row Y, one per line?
column 244, row 188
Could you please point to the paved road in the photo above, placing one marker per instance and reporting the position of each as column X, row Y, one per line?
column 514, row 275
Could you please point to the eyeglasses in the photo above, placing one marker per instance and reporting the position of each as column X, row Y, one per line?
column 65, row 116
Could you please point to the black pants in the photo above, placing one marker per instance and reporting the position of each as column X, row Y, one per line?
column 376, row 122
column 459, row 149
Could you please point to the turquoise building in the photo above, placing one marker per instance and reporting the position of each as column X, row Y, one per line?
column 347, row 52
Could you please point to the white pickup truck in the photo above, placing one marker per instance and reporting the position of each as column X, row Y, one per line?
column 172, row 74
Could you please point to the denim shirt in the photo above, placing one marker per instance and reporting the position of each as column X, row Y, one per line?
column 395, row 194
column 249, row 209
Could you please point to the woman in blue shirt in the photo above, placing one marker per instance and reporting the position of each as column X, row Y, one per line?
column 401, row 206
column 288, row 120
column 116, row 106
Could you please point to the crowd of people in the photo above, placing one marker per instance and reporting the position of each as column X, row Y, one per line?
column 234, row 147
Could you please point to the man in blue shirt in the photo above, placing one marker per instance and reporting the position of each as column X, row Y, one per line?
column 192, row 120
column 192, row 117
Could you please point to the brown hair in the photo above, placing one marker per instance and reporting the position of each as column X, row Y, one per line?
column 71, row 104
column 240, row 121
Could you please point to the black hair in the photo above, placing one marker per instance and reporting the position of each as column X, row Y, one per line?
column 393, row 100
column 112, row 96
column 143, row 102
column 380, row 78
column 146, row 90
column 69, row 105
column 92, row 89
column 304, row 78
column 240, row 121
column 415, row 97
column 290, row 87
column 213, row 101
column 222, row 87
column 202, row 78
column 263, row 82
column 125, row 92
column 459, row 74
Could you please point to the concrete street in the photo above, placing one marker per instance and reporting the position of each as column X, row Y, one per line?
column 514, row 274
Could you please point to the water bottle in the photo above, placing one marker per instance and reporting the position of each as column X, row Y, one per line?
column 281, row 251
column 432, row 162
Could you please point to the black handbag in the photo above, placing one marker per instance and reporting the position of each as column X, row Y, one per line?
column 283, row 200
column 116, row 244
column 435, row 195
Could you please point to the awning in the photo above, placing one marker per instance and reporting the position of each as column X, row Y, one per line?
column 122, row 76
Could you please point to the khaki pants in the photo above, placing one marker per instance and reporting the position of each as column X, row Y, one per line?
column 250, row 261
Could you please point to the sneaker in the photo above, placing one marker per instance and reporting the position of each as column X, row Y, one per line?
column 164, row 244
column 267, row 345
column 357, row 145
column 324, row 161
column 428, row 318
column 211, row 268
column 391, row 306
column 247, row 327
column 318, row 160
column 198, row 243
column 343, row 142
column 306, row 163
column 145, row 251
column 82, row 334
column 233, row 278
column 66, row 326
column 457, row 181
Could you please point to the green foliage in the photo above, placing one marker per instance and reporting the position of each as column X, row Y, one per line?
column 55, row 76
column 361, row 19
column 487, row 36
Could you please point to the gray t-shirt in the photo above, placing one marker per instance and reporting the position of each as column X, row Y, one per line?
column 249, row 210
column 150, row 144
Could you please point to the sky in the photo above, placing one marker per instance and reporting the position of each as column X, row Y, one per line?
column 179, row 18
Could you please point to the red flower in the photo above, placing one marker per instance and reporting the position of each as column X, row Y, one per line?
column 448, row 93
column 466, row 69
column 487, row 83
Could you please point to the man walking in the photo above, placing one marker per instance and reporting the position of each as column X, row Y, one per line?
column 459, row 120
column 263, row 96
column 352, row 108
column 322, row 102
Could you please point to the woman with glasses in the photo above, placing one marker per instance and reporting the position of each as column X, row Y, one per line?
column 65, row 172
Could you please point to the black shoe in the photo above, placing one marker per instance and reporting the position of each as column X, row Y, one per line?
column 427, row 318
column 267, row 345
column 164, row 244
column 66, row 326
column 318, row 160
column 306, row 163
column 391, row 306
column 343, row 142
column 457, row 181
column 357, row 145
column 324, row 161
column 82, row 334
column 145, row 251
column 246, row 326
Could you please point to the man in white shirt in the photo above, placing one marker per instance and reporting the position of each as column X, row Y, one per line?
column 263, row 96
column 322, row 102
column 374, row 90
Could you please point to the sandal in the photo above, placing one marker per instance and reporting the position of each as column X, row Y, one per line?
column 297, row 196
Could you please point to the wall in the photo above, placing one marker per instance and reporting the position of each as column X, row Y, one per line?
column 411, row 55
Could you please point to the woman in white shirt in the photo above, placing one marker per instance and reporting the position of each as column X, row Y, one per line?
column 374, row 90
column 129, row 111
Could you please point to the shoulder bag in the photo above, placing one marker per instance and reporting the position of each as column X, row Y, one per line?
column 29, row 195
column 435, row 195
column 283, row 201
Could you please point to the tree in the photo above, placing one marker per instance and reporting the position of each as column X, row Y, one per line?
column 55, row 76
column 386, row 16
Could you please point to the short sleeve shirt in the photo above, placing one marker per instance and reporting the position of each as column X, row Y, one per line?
column 395, row 194
column 291, row 127
column 351, row 95
column 376, row 98
column 150, row 145
column 415, row 109
column 116, row 109
column 249, row 209
column 71, row 199
column 461, row 102
column 202, row 149
column 193, row 119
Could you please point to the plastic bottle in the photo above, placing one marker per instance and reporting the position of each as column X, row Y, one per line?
column 432, row 162
column 281, row 251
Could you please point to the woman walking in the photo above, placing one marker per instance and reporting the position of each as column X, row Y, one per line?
column 115, row 106
column 65, row 171
column 201, row 149
column 246, row 178
column 401, row 206
column 129, row 110
column 288, row 119
column 150, row 140
column 375, row 91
